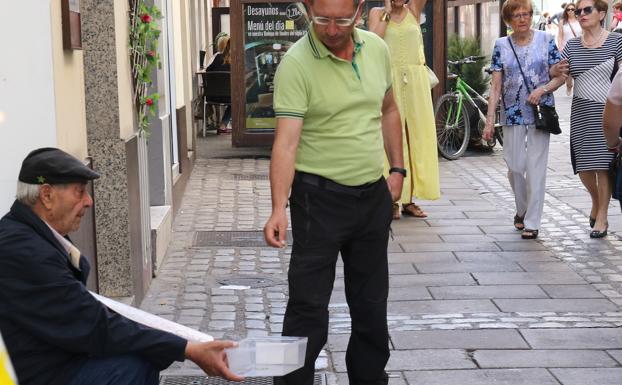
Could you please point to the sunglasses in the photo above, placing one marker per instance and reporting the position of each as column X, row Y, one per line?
column 584, row 10
column 570, row 10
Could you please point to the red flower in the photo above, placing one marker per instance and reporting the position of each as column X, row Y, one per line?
column 151, row 54
column 149, row 102
column 145, row 18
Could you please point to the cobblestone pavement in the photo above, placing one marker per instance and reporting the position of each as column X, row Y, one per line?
column 470, row 302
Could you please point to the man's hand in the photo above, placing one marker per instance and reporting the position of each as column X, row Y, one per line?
column 562, row 68
column 211, row 357
column 395, row 182
column 275, row 230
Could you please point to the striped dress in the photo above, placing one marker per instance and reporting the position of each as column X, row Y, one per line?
column 592, row 70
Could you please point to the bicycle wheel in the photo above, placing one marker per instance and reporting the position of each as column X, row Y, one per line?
column 452, row 127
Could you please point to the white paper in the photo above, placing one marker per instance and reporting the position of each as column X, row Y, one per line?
column 148, row 319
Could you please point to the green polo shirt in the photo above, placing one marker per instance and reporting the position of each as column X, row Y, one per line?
column 340, row 104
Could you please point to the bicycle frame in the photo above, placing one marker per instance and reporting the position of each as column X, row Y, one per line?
column 464, row 92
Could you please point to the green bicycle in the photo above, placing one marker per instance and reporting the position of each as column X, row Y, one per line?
column 453, row 126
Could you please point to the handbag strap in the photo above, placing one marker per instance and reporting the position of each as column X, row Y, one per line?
column 572, row 29
column 519, row 66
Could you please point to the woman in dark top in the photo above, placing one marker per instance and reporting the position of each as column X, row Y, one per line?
column 222, row 62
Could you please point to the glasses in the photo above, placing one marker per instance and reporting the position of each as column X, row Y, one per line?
column 339, row 21
column 584, row 10
column 524, row 15
column 570, row 10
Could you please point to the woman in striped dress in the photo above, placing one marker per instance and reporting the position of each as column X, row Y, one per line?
column 592, row 58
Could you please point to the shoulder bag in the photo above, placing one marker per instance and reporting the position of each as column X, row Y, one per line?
column 432, row 78
column 546, row 116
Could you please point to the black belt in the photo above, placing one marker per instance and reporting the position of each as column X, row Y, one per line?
column 329, row 185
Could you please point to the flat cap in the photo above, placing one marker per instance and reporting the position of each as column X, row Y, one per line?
column 53, row 166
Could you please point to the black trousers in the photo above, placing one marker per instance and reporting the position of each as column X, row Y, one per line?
column 328, row 219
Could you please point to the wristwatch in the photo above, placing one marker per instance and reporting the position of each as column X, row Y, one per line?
column 398, row 170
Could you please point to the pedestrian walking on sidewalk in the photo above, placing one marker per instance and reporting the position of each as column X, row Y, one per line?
column 521, row 64
column 594, row 60
column 398, row 24
column 569, row 28
column 334, row 106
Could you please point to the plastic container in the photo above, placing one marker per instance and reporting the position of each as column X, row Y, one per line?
column 267, row 356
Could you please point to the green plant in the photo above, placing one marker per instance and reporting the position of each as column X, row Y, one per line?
column 473, row 74
column 144, row 58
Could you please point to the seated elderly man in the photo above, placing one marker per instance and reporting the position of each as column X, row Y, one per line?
column 54, row 330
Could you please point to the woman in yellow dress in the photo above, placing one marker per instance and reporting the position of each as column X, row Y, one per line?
column 398, row 24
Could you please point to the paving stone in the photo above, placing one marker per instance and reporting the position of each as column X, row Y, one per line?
column 482, row 377
column 402, row 360
column 571, row 291
column 589, row 376
column 441, row 306
column 407, row 293
column 492, row 291
column 598, row 338
column 435, row 256
column 458, row 339
column 502, row 256
column 425, row 247
column 532, row 278
column 465, row 267
column 543, row 359
column 545, row 266
column 431, row 280
column 558, row 305
column 616, row 354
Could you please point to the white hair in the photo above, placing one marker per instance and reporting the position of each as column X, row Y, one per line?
column 27, row 193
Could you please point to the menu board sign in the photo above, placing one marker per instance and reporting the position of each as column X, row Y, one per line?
column 269, row 30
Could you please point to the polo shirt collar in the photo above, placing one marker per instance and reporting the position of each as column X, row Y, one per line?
column 319, row 49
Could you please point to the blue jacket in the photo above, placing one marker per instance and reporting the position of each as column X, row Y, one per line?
column 49, row 321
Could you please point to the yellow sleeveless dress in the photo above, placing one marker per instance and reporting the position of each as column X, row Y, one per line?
column 411, row 89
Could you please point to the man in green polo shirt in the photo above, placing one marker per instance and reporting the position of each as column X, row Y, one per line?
column 335, row 118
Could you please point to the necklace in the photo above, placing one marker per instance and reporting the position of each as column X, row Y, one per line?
column 595, row 42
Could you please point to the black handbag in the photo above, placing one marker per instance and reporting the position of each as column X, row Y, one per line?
column 546, row 116
column 615, row 177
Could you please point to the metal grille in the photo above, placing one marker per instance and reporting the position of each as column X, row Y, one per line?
column 251, row 177
column 320, row 379
column 231, row 238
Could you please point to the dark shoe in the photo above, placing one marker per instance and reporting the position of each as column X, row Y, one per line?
column 529, row 234
column 592, row 222
column 412, row 210
column 396, row 211
column 599, row 234
column 518, row 222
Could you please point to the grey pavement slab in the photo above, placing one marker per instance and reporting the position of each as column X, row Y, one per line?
column 456, row 229
column 401, row 268
column 513, row 256
column 530, row 278
column 466, row 267
column 458, row 339
column 409, row 293
column 431, row 280
column 616, row 354
column 458, row 238
column 556, row 305
column 482, row 377
column 545, row 266
column 589, row 376
column 441, row 307
column 543, row 359
column 424, row 359
column 596, row 338
column 521, row 245
column 493, row 291
column 445, row 246
column 438, row 256
column 571, row 291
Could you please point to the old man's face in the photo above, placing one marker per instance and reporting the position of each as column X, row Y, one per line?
column 67, row 205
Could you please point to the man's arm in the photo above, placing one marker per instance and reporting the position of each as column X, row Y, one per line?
column 392, row 135
column 211, row 357
column 282, row 167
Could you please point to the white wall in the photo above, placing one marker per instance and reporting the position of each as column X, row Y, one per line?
column 26, row 88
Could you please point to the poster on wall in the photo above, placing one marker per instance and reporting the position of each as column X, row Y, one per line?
column 269, row 30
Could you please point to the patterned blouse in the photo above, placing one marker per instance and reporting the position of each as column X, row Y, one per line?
column 535, row 60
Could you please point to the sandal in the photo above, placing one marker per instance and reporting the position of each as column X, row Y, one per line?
column 396, row 211
column 518, row 222
column 529, row 234
column 412, row 210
